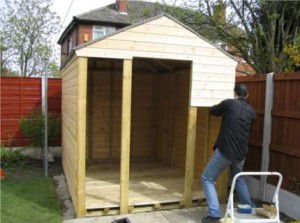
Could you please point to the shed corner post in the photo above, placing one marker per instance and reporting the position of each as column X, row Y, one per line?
column 81, row 134
column 125, row 135
column 190, row 155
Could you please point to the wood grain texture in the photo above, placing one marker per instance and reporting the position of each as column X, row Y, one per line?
column 284, row 145
column 190, row 156
column 149, row 185
column 162, row 39
column 208, row 128
column 81, row 134
column 125, row 135
column 70, row 128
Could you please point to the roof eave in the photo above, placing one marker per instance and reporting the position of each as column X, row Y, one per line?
column 66, row 31
column 76, row 20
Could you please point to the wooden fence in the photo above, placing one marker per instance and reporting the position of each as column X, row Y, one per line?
column 285, row 137
column 19, row 96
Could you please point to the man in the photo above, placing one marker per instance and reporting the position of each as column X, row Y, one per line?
column 230, row 149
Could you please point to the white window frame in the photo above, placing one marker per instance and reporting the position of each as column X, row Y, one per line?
column 105, row 30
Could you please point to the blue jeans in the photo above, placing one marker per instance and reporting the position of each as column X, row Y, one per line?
column 217, row 164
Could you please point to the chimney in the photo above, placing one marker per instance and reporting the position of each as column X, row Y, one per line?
column 122, row 6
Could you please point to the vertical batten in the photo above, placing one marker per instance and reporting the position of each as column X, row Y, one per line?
column 190, row 148
column 190, row 154
column 81, row 134
column 125, row 134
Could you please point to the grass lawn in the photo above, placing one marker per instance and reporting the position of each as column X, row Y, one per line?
column 26, row 196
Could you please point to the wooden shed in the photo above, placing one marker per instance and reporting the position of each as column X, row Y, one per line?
column 136, row 133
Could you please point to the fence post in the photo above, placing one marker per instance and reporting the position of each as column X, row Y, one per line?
column 45, row 111
column 269, row 97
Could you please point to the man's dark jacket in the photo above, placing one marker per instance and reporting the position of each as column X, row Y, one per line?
column 238, row 118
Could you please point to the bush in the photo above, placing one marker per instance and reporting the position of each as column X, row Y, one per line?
column 33, row 127
column 9, row 157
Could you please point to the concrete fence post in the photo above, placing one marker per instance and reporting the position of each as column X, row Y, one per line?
column 269, row 97
column 45, row 111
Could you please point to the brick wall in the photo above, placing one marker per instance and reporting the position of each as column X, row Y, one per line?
column 77, row 36
column 82, row 30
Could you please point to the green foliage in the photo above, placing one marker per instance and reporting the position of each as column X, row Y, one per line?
column 8, row 73
column 54, row 70
column 27, row 28
column 9, row 158
column 292, row 52
column 262, row 32
column 33, row 127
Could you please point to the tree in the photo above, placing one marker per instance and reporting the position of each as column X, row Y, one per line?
column 27, row 29
column 259, row 30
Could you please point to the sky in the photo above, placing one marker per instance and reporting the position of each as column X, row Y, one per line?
column 77, row 7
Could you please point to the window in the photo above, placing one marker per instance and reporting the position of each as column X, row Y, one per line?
column 69, row 46
column 99, row 31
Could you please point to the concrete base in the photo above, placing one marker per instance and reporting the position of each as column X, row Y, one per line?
column 289, row 203
column 190, row 215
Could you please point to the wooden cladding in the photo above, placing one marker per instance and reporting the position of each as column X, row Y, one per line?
column 74, row 85
column 158, row 115
column 213, row 71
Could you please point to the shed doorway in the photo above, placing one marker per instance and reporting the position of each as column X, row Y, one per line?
column 159, row 109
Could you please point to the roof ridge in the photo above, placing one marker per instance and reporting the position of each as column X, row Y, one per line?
column 93, row 10
column 109, row 5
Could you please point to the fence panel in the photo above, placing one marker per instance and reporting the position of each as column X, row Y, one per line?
column 256, row 85
column 285, row 139
column 19, row 96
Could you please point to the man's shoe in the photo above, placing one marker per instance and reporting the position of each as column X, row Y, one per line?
column 210, row 219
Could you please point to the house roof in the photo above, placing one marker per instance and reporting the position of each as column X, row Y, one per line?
column 136, row 10
column 140, row 22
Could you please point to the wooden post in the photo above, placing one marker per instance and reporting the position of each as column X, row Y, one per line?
column 125, row 135
column 207, row 139
column 269, row 96
column 81, row 134
column 190, row 154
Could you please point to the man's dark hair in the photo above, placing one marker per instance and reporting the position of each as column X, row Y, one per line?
column 241, row 90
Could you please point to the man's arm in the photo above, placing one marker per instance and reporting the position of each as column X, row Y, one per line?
column 219, row 109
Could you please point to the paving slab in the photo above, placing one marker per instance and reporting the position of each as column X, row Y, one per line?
column 190, row 215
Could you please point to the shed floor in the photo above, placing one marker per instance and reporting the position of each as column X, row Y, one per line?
column 151, row 182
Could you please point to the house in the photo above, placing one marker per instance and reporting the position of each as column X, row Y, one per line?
column 103, row 21
column 136, row 132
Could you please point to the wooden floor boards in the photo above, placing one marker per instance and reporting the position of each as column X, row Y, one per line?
column 151, row 183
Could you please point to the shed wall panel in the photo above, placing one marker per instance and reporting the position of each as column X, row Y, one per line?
column 69, row 126
column 165, row 39
column 73, row 140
